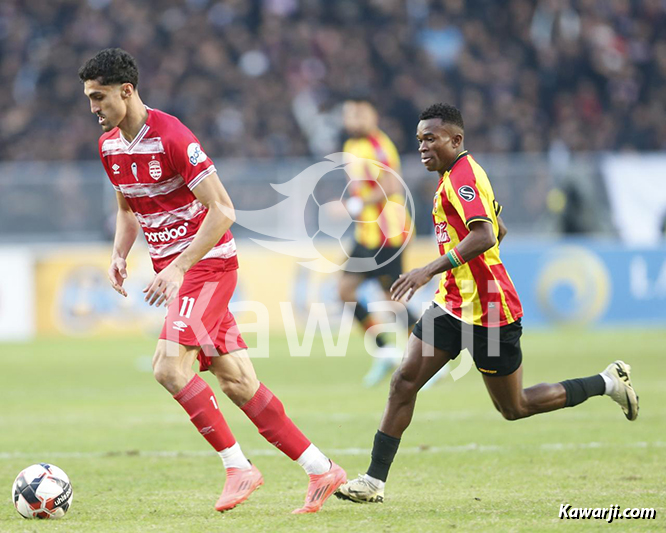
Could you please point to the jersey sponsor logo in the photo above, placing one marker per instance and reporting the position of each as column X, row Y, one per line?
column 167, row 234
column 179, row 215
column 155, row 169
column 467, row 193
column 116, row 168
column 195, row 154
column 441, row 234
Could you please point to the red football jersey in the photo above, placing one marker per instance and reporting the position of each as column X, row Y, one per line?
column 156, row 173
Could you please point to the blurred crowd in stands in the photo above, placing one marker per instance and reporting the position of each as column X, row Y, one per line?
column 265, row 78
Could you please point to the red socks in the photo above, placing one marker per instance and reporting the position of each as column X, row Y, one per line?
column 267, row 413
column 198, row 400
column 264, row 409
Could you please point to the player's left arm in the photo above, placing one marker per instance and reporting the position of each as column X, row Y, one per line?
column 479, row 240
column 501, row 233
column 388, row 186
column 501, row 227
column 221, row 215
column 388, row 181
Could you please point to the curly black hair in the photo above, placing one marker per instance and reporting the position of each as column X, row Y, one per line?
column 447, row 113
column 111, row 66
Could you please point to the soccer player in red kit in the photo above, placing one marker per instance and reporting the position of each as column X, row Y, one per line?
column 168, row 187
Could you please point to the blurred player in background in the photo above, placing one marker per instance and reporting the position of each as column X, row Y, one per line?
column 369, row 192
column 476, row 307
column 168, row 187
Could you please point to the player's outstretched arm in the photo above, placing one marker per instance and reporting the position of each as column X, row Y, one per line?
column 480, row 239
column 127, row 229
column 211, row 193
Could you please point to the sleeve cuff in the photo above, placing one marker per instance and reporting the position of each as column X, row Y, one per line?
column 200, row 177
column 474, row 219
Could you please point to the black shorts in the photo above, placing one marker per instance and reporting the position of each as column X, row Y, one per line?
column 493, row 354
column 386, row 274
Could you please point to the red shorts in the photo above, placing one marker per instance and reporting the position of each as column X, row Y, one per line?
column 200, row 315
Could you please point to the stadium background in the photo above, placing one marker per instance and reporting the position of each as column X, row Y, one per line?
column 564, row 105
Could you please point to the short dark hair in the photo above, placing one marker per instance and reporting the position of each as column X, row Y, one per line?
column 111, row 66
column 447, row 113
column 361, row 97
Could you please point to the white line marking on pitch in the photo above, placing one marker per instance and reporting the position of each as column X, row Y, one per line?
column 472, row 447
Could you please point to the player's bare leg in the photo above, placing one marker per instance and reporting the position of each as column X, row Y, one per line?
column 514, row 402
column 235, row 373
column 172, row 367
column 238, row 380
column 386, row 357
column 420, row 363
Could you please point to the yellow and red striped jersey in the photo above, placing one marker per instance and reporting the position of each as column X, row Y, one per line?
column 377, row 147
column 479, row 292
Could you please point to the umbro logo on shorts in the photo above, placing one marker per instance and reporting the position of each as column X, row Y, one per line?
column 179, row 325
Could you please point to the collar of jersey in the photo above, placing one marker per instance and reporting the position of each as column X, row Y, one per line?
column 129, row 146
column 460, row 156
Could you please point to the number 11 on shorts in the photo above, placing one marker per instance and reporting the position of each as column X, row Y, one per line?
column 186, row 308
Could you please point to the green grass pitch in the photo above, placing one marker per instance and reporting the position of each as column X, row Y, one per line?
column 137, row 465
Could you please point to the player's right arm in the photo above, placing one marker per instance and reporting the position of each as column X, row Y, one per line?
column 479, row 240
column 127, row 230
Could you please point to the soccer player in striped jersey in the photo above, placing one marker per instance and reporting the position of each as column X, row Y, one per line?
column 167, row 187
column 369, row 192
column 476, row 307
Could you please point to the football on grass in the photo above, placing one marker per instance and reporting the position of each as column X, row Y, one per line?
column 42, row 491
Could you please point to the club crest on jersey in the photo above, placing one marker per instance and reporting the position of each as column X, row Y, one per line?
column 467, row 193
column 195, row 154
column 155, row 169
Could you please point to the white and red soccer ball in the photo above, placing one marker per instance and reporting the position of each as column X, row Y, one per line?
column 42, row 491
